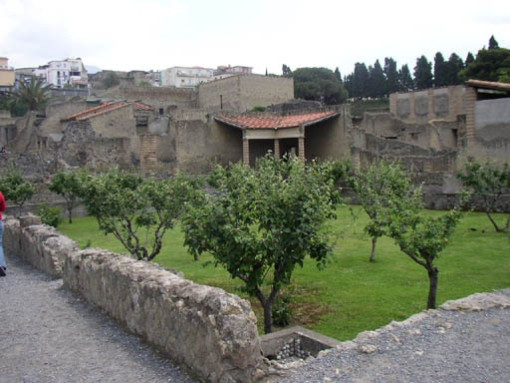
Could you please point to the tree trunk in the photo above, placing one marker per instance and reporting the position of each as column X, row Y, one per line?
column 70, row 216
column 372, row 254
column 433, row 280
column 268, row 317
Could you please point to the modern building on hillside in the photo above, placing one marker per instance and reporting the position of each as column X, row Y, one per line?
column 64, row 73
column 7, row 76
column 185, row 77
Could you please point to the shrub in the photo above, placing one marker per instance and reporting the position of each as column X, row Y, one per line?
column 50, row 215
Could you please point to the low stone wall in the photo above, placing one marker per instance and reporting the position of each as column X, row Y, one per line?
column 211, row 332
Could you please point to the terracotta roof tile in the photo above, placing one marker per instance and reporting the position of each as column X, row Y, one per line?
column 104, row 108
column 266, row 121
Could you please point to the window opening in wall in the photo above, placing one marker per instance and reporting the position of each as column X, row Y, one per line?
column 161, row 111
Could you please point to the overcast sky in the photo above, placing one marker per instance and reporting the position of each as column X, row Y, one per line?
column 157, row 34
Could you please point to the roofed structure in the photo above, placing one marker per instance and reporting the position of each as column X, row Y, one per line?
column 263, row 126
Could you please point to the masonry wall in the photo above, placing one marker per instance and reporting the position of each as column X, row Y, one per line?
column 329, row 139
column 242, row 93
column 430, row 104
column 200, row 141
column 492, row 129
column 211, row 332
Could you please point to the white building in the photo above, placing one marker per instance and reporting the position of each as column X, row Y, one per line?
column 68, row 72
column 183, row 77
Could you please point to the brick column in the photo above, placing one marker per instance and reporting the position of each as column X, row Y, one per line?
column 470, row 115
column 277, row 148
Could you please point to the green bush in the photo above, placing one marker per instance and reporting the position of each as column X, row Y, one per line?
column 281, row 311
column 50, row 215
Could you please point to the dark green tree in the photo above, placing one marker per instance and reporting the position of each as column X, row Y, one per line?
column 318, row 84
column 338, row 75
column 488, row 182
column 405, row 79
column 423, row 73
column 493, row 44
column 262, row 222
column 469, row 59
column 136, row 211
column 489, row 65
column 440, row 71
column 391, row 74
column 286, row 71
column 29, row 96
column 376, row 81
column 454, row 65
column 360, row 81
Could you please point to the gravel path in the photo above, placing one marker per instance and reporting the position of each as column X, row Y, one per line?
column 49, row 335
column 441, row 346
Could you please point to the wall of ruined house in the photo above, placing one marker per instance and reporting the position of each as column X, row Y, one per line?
column 163, row 98
column 205, row 329
column 55, row 112
column 430, row 104
column 242, row 93
column 82, row 146
column 329, row 139
column 200, row 141
column 492, row 130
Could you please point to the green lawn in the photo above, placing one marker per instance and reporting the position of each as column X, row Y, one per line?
column 352, row 295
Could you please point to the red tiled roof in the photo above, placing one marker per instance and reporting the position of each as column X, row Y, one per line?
column 266, row 121
column 104, row 108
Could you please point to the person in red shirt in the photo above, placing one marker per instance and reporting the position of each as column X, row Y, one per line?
column 3, row 265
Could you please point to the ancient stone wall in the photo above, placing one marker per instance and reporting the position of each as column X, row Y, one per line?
column 201, row 141
column 492, row 130
column 211, row 332
column 431, row 104
column 329, row 139
column 242, row 93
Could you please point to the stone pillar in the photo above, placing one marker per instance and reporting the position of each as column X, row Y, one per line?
column 277, row 148
column 301, row 148
column 470, row 115
column 246, row 151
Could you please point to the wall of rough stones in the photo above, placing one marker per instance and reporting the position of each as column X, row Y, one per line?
column 211, row 332
column 242, row 93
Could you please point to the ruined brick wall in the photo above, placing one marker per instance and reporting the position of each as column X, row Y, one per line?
column 242, row 93
column 211, row 332
column 329, row 139
column 491, row 130
column 423, row 106
column 163, row 97
column 82, row 146
column 201, row 141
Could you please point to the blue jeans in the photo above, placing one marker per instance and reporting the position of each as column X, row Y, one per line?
column 2, row 258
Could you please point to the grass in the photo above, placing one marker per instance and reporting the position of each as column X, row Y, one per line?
column 352, row 295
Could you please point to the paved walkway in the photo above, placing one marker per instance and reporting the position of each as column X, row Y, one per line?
column 48, row 335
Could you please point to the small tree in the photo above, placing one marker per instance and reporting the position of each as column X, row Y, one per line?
column 69, row 185
column 16, row 189
column 380, row 189
column 487, row 181
column 136, row 211
column 261, row 222
column 423, row 238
